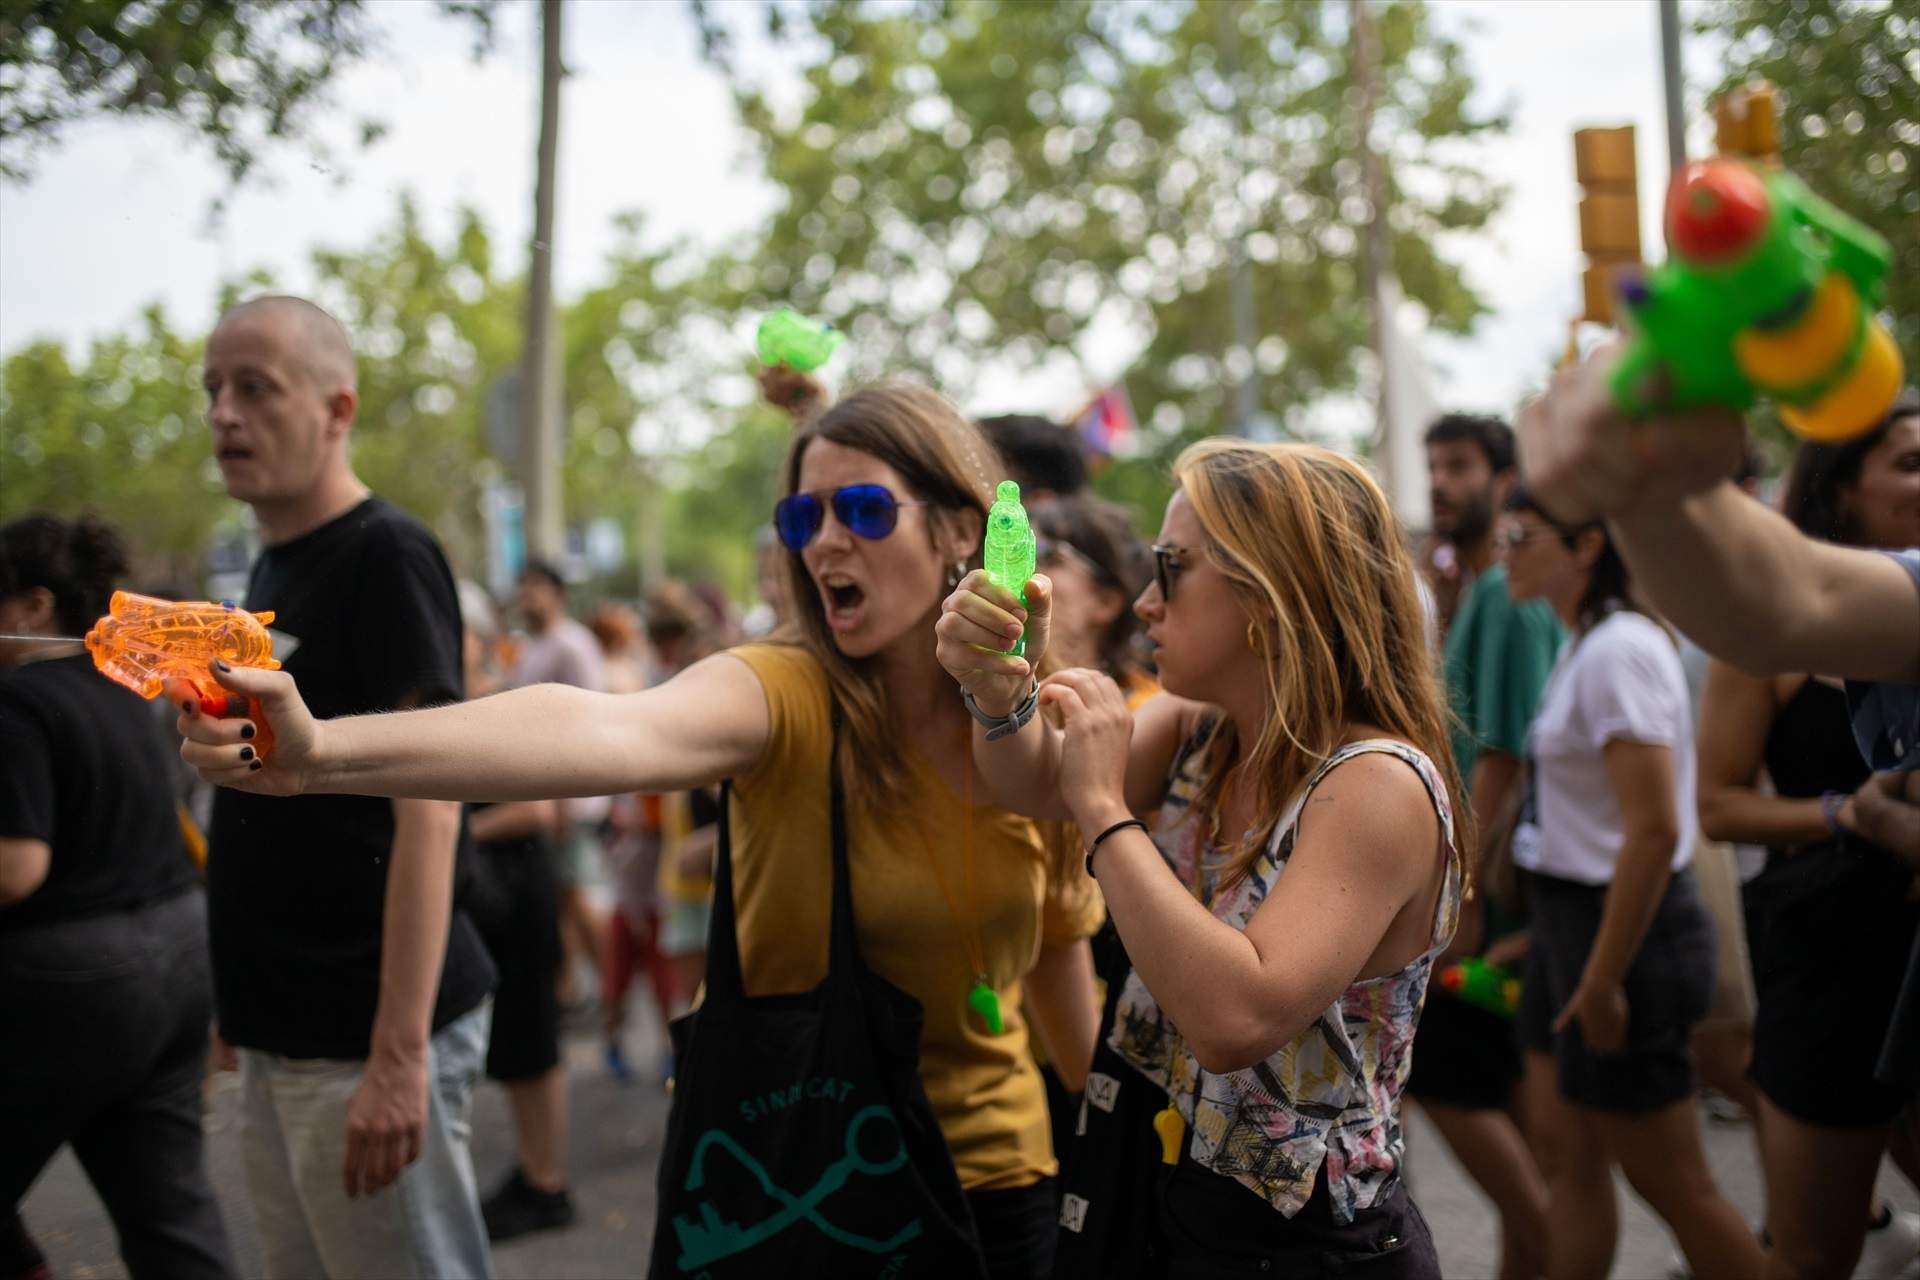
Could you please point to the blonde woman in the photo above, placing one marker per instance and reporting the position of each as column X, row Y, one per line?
column 886, row 497
column 1283, row 917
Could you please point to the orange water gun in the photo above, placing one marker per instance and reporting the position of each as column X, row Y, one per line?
column 143, row 642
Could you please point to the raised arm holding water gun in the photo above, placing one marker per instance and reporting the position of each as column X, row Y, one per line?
column 1770, row 290
column 792, row 349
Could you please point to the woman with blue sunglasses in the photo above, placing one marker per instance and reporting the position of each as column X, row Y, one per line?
column 959, row 904
column 1282, row 916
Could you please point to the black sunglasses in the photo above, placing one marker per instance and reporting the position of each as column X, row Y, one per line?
column 869, row 510
column 1167, row 567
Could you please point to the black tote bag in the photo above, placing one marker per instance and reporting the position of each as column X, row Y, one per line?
column 800, row 1142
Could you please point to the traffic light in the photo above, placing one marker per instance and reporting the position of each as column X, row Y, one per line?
column 1746, row 123
column 1603, row 162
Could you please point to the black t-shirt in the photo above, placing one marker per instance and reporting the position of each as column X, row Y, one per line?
column 83, row 767
column 366, row 619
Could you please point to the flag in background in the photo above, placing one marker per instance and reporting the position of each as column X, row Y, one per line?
column 1106, row 426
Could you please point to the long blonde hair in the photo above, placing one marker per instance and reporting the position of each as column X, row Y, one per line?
column 948, row 464
column 1312, row 552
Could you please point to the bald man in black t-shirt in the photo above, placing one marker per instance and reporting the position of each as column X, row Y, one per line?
column 344, row 970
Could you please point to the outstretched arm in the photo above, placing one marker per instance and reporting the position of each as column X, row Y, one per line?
column 543, row 742
column 1739, row 579
column 1750, row 588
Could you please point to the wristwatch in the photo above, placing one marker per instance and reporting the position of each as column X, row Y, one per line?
column 999, row 727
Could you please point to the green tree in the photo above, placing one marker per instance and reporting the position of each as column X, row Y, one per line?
column 240, row 74
column 973, row 180
column 1848, row 72
column 120, row 433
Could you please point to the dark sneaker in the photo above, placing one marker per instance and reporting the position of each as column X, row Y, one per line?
column 518, row 1208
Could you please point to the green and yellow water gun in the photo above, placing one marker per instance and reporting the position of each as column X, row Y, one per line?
column 1767, row 290
column 1482, row 985
column 1010, row 554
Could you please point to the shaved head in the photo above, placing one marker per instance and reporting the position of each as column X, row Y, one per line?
column 320, row 341
column 281, row 402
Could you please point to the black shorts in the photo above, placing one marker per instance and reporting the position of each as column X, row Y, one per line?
column 1668, row 988
column 1836, row 927
column 513, row 900
column 1463, row 1055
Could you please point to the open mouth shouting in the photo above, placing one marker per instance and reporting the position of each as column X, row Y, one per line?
column 844, row 600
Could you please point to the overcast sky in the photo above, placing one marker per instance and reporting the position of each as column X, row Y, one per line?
column 116, row 217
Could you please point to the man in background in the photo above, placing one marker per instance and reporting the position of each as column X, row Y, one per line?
column 354, row 987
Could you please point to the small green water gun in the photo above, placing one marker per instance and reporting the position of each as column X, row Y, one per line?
column 789, row 338
column 1767, row 290
column 1482, row 985
column 1009, row 553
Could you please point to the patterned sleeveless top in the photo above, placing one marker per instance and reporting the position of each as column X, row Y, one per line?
column 1331, row 1097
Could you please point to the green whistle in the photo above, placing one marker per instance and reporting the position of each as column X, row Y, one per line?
column 984, row 1002
column 789, row 338
column 1009, row 553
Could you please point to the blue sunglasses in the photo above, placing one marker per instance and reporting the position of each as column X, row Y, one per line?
column 868, row 510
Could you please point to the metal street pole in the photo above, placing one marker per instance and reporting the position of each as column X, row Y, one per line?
column 1246, row 392
column 1375, row 251
column 540, row 405
column 1675, row 83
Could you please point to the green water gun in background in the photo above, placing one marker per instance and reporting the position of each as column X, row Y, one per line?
column 789, row 338
column 1482, row 985
column 1009, row 555
column 1768, row 290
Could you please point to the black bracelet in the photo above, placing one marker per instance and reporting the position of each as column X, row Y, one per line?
column 1101, row 839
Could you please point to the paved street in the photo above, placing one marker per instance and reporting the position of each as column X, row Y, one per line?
column 616, row 1133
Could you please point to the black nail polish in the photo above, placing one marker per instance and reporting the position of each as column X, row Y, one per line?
column 254, row 765
column 220, row 665
column 246, row 730
column 246, row 753
column 187, row 707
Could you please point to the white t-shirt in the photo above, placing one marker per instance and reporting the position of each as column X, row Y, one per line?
column 1623, row 682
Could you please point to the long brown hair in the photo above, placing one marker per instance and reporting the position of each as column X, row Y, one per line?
column 945, row 462
column 1312, row 552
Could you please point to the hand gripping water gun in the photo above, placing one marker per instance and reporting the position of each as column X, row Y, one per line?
column 789, row 338
column 1482, row 985
column 1767, row 290
column 1010, row 553
column 143, row 642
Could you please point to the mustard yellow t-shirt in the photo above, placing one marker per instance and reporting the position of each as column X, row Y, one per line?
column 985, row 1090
